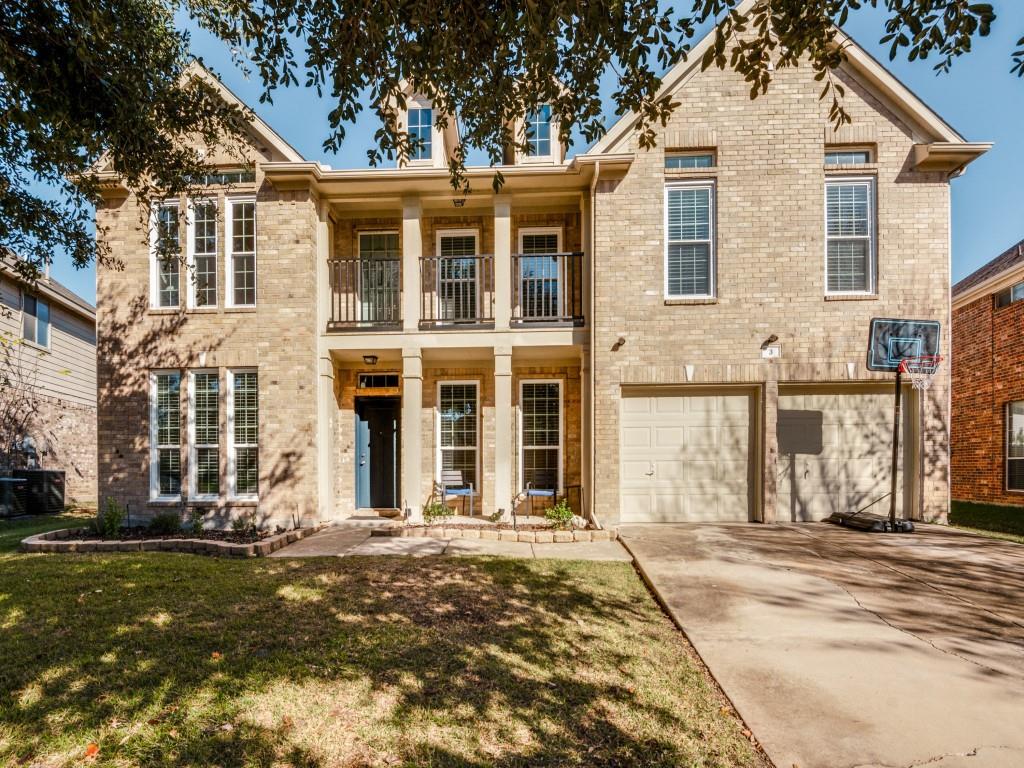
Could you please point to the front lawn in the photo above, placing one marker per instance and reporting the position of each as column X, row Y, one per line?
column 1004, row 522
column 180, row 660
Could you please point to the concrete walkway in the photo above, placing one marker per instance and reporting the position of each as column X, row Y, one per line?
column 343, row 541
column 842, row 649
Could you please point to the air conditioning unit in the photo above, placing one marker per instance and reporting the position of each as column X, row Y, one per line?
column 44, row 490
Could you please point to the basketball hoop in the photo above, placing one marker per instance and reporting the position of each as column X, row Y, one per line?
column 920, row 370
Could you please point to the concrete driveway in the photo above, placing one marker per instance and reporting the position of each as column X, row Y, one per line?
column 844, row 649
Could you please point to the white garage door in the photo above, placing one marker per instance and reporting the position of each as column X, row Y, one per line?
column 835, row 450
column 685, row 457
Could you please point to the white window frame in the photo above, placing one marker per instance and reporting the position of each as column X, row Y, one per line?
column 712, row 187
column 871, row 183
column 561, row 431
column 229, row 247
column 855, row 150
column 154, row 446
column 232, row 482
column 670, row 153
column 193, row 448
column 523, row 231
column 438, row 462
column 154, row 262
column 442, row 233
column 190, row 251
column 436, row 139
column 34, row 342
column 553, row 140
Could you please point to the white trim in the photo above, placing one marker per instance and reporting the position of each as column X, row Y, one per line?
column 193, row 475
column 561, row 432
column 154, row 447
column 540, row 231
column 712, row 187
column 437, row 428
column 190, row 251
column 232, row 479
column 871, row 182
column 154, row 271
column 229, row 281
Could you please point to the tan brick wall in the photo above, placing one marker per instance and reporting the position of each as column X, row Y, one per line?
column 68, row 442
column 770, row 179
column 277, row 338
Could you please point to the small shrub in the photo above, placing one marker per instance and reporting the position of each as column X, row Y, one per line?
column 165, row 524
column 560, row 514
column 110, row 519
column 244, row 523
column 195, row 521
column 436, row 511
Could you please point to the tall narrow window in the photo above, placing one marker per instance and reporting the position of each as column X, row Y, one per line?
column 165, row 247
column 539, row 274
column 243, row 456
column 849, row 235
column 204, row 456
column 1015, row 446
column 203, row 253
column 457, row 274
column 538, row 131
column 458, row 423
column 165, row 435
column 35, row 320
column 689, row 240
column 541, row 438
column 241, row 259
column 421, row 126
column 380, row 264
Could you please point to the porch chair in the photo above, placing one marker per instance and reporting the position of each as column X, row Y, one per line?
column 452, row 484
column 544, row 485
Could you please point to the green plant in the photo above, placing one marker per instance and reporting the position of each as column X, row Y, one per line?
column 244, row 523
column 560, row 514
column 110, row 518
column 165, row 524
column 435, row 510
column 195, row 521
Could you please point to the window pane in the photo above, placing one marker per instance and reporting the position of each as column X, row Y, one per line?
column 244, row 280
column 42, row 323
column 207, row 471
column 458, row 245
column 246, row 471
column 538, row 286
column 690, row 161
column 847, row 210
column 856, row 157
column 689, row 214
column 28, row 319
column 204, row 249
column 541, row 406
column 540, row 468
column 462, row 461
column 689, row 269
column 207, row 393
column 168, row 249
column 168, row 434
column 848, row 265
column 169, row 471
column 538, row 132
column 421, row 132
column 243, row 227
column 246, row 404
column 458, row 415
column 540, row 243
column 1015, row 430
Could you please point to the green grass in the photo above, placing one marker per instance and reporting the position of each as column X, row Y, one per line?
column 178, row 660
column 997, row 520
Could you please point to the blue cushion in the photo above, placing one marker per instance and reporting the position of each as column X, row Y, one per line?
column 459, row 492
column 539, row 492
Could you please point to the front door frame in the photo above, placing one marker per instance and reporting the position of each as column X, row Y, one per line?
column 370, row 487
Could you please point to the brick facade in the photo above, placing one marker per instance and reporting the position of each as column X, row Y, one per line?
column 68, row 432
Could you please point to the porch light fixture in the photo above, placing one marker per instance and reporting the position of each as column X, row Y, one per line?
column 459, row 202
column 370, row 359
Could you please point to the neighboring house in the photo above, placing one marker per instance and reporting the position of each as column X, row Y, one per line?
column 988, row 382
column 600, row 325
column 48, row 367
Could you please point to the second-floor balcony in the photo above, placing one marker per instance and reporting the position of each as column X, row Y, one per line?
column 456, row 291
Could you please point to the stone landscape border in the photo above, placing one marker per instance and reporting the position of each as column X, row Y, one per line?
column 499, row 534
column 65, row 540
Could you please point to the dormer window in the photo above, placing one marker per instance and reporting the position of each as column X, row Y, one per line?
column 421, row 126
column 538, row 132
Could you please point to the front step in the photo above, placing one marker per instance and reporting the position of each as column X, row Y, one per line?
column 365, row 521
column 388, row 512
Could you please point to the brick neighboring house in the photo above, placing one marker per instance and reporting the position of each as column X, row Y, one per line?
column 50, row 333
column 356, row 336
column 988, row 382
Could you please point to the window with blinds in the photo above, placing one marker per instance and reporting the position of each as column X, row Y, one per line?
column 849, row 235
column 165, row 436
column 204, row 253
column 458, row 430
column 457, row 276
column 243, row 450
column 380, row 264
column 204, row 454
column 1015, row 446
column 541, row 434
column 539, row 274
column 689, row 238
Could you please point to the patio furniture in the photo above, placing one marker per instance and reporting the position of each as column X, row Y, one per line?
column 452, row 484
column 544, row 485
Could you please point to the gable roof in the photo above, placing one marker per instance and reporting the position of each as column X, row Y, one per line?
column 883, row 83
column 989, row 276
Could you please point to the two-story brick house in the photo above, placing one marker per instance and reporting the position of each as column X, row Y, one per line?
column 598, row 327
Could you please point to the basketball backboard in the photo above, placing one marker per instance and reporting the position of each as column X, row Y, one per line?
column 892, row 340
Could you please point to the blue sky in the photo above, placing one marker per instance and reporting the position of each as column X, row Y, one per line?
column 979, row 98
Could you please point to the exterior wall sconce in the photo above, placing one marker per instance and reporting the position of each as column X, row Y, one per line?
column 370, row 359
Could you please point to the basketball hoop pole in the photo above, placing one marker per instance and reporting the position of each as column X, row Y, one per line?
column 895, row 446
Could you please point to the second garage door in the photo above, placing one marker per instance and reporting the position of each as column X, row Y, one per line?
column 685, row 456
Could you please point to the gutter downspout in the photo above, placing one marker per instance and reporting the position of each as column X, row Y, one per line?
column 590, row 377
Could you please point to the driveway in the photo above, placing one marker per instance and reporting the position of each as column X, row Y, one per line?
column 844, row 649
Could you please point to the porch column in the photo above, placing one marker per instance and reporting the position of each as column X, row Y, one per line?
column 504, row 463
column 502, row 262
column 412, row 432
column 770, row 455
column 412, row 249
column 327, row 412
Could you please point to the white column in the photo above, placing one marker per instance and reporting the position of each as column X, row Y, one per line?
column 412, row 249
column 504, row 463
column 412, row 432
column 327, row 413
column 502, row 262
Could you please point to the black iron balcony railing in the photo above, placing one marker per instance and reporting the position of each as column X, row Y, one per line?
column 456, row 290
column 547, row 288
column 365, row 293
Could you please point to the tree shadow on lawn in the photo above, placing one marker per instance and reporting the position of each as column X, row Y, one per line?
column 180, row 660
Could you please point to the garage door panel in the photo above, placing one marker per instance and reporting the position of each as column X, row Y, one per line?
column 694, row 466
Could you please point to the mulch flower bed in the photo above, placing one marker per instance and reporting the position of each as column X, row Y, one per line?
column 138, row 533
